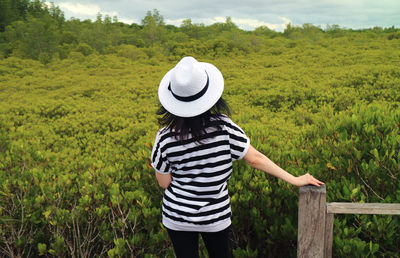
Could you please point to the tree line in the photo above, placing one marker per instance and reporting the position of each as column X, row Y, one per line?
column 36, row 30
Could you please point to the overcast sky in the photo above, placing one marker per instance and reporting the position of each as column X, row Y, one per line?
column 247, row 14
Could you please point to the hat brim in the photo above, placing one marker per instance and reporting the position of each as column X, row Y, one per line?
column 196, row 107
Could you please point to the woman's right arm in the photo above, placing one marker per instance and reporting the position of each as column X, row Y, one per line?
column 259, row 161
column 164, row 180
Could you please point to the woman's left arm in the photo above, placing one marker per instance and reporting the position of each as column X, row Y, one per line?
column 259, row 161
column 164, row 179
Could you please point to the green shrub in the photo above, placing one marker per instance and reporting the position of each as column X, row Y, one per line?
column 357, row 154
column 76, row 135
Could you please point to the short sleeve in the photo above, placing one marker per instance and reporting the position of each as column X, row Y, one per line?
column 158, row 159
column 238, row 140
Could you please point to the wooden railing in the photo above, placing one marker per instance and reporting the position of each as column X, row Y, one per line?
column 315, row 224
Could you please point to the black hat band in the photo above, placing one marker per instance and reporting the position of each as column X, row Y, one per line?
column 190, row 98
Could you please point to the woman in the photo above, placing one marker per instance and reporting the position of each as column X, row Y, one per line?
column 193, row 156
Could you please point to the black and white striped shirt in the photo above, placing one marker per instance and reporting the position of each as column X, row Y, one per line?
column 197, row 198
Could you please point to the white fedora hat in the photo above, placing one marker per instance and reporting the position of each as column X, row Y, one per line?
column 190, row 88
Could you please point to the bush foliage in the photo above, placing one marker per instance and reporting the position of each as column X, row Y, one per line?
column 77, row 124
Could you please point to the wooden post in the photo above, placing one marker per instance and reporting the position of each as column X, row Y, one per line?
column 311, row 227
column 329, row 234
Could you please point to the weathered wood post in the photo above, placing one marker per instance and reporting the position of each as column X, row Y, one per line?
column 329, row 234
column 311, row 227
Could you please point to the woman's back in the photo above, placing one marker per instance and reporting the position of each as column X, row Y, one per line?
column 197, row 198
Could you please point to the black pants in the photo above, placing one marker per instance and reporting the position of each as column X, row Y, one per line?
column 186, row 243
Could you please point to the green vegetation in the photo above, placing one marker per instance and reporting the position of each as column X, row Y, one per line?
column 77, row 124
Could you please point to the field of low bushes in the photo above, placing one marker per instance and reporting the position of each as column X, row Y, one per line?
column 76, row 135
column 77, row 125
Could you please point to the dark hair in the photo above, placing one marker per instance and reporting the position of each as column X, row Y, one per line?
column 195, row 125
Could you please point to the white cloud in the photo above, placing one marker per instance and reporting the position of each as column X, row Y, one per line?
column 176, row 22
column 245, row 24
column 89, row 11
column 48, row 4
column 127, row 21
column 80, row 9
column 250, row 24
